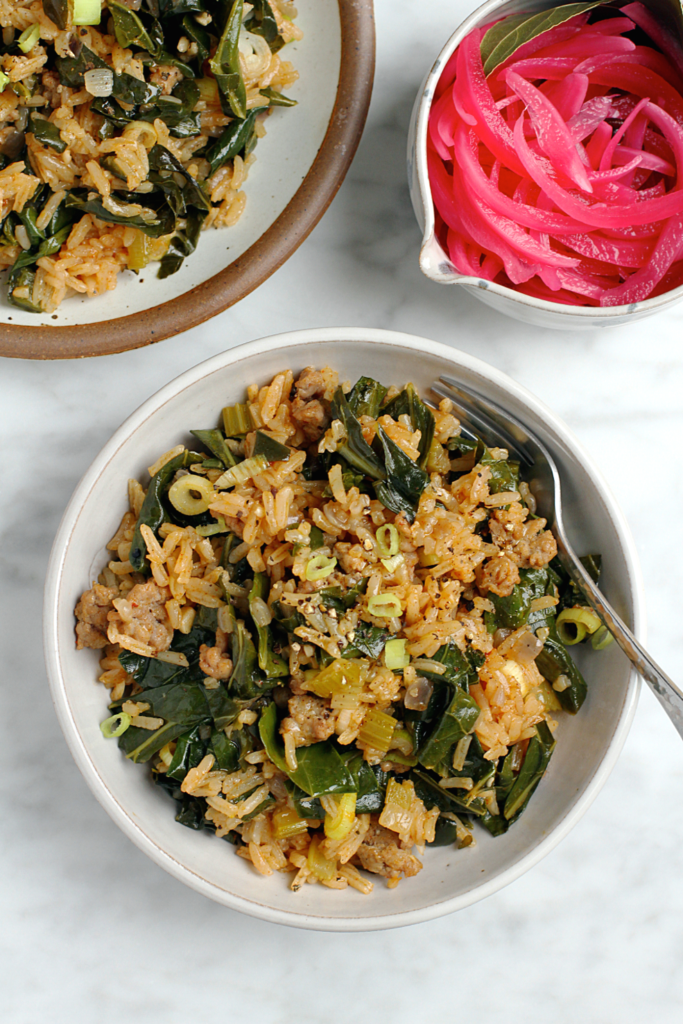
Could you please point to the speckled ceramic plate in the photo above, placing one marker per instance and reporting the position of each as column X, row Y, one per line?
column 301, row 164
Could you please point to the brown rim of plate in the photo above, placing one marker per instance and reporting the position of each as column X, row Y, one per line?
column 272, row 249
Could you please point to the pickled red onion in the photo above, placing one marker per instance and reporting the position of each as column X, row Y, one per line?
column 561, row 173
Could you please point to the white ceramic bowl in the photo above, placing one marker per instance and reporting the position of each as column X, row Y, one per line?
column 588, row 745
column 435, row 262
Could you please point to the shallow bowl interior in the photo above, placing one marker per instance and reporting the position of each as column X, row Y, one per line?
column 435, row 262
column 588, row 744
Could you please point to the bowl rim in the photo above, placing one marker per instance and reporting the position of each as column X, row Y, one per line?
column 79, row 750
column 445, row 272
column 268, row 252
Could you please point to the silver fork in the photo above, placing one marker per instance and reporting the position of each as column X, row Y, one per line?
column 497, row 428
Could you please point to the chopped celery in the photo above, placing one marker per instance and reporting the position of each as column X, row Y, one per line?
column 138, row 252
column 377, row 731
column 342, row 676
column 242, row 472
column 28, row 38
column 87, row 12
column 323, row 869
column 395, row 655
column 286, row 823
column 237, row 420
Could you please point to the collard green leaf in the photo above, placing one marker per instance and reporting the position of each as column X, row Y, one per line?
column 225, row 63
column 514, row 610
column 72, row 69
column 504, row 472
column 409, row 403
column 503, row 39
column 234, row 140
column 445, row 833
column 181, row 702
column 189, row 751
column 46, row 133
column 457, row 721
column 355, row 450
column 405, row 480
column 536, row 761
column 342, row 600
column 57, row 11
column 246, row 681
column 176, row 7
column 193, row 31
column 427, row 788
column 230, row 751
column 320, row 769
column 277, row 99
column 23, row 278
column 366, row 397
column 554, row 661
column 371, row 782
column 152, row 512
column 140, row 744
column 263, row 23
column 130, row 30
column 183, row 244
column 273, row 665
column 161, row 223
column 272, row 449
column 224, row 708
column 215, row 442
column 368, row 641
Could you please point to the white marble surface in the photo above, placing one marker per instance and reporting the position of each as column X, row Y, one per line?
column 92, row 930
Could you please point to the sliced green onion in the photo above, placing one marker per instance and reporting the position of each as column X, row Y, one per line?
column 601, row 638
column 574, row 623
column 242, row 472
column 115, row 726
column 338, row 825
column 395, row 655
column 387, row 540
column 237, row 420
column 28, row 38
column 392, row 564
column 377, row 731
column 87, row 12
column 4, row 81
column 213, row 528
column 183, row 494
column 385, row 606
column 319, row 566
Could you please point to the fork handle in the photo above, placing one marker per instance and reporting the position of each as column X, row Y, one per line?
column 666, row 691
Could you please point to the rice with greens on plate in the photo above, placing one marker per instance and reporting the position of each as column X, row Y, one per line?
column 126, row 127
column 336, row 631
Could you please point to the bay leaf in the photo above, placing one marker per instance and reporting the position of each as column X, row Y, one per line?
column 506, row 37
